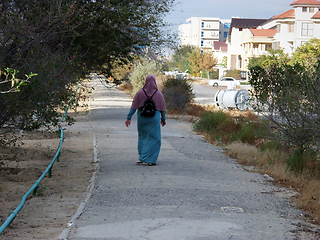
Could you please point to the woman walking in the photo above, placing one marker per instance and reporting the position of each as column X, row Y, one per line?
column 149, row 132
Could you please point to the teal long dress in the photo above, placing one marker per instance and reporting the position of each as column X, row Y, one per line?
column 149, row 135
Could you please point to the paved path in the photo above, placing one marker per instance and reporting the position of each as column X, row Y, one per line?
column 195, row 192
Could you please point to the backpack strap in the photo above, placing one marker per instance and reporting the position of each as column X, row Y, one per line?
column 152, row 94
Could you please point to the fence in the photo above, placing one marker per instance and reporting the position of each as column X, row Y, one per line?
column 48, row 171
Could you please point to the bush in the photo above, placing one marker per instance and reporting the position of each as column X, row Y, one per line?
column 138, row 76
column 299, row 160
column 214, row 74
column 218, row 125
column 236, row 74
column 177, row 93
column 225, row 129
column 246, row 134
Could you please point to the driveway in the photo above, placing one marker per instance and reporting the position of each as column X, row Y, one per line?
column 195, row 192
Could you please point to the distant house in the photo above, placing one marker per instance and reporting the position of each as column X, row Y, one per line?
column 296, row 26
column 287, row 31
column 234, row 40
column 220, row 50
column 255, row 42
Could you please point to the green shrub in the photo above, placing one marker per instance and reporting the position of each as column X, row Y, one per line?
column 223, row 128
column 247, row 133
column 299, row 160
column 212, row 121
column 236, row 74
column 214, row 74
column 273, row 145
column 177, row 93
column 143, row 69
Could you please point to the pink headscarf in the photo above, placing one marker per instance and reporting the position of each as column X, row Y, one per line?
column 150, row 87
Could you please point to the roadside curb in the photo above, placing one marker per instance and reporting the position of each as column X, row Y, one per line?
column 65, row 233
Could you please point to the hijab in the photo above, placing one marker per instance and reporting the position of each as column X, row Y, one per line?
column 150, row 86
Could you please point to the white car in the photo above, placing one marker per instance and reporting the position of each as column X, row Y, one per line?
column 176, row 73
column 226, row 81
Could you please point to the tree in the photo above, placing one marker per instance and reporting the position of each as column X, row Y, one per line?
column 194, row 58
column 142, row 70
column 180, row 57
column 62, row 41
column 120, row 70
column 288, row 95
column 308, row 53
column 224, row 62
column 208, row 61
column 201, row 60
column 9, row 82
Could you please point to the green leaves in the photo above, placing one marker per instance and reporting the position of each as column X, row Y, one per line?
column 62, row 41
column 15, row 83
column 287, row 93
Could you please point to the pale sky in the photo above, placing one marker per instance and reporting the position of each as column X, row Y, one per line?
column 226, row 9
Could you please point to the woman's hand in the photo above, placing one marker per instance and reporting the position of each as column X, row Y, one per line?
column 163, row 123
column 127, row 123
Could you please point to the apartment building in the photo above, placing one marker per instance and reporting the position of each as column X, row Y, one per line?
column 203, row 32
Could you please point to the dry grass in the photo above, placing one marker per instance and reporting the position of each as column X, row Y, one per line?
column 195, row 109
column 272, row 162
column 126, row 87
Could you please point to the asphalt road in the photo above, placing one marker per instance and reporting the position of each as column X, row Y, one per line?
column 204, row 94
column 195, row 192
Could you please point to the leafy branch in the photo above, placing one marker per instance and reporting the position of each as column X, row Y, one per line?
column 10, row 79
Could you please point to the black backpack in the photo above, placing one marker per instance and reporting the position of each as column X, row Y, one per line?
column 148, row 108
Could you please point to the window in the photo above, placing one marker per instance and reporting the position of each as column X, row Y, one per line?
column 201, row 43
column 304, row 9
column 276, row 45
column 227, row 25
column 278, row 28
column 202, row 24
column 240, row 29
column 307, row 29
column 225, row 34
column 291, row 27
column 267, row 46
column 311, row 9
column 214, row 34
column 202, row 34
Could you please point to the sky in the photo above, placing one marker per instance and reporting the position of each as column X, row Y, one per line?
column 226, row 9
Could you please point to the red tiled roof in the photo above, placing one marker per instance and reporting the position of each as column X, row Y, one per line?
column 263, row 32
column 306, row 2
column 317, row 15
column 287, row 14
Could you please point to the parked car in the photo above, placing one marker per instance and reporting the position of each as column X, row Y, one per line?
column 176, row 73
column 226, row 81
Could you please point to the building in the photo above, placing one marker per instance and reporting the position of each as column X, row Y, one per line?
column 234, row 40
column 220, row 50
column 252, row 37
column 203, row 32
column 296, row 26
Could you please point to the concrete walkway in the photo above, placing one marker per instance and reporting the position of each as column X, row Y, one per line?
column 195, row 192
